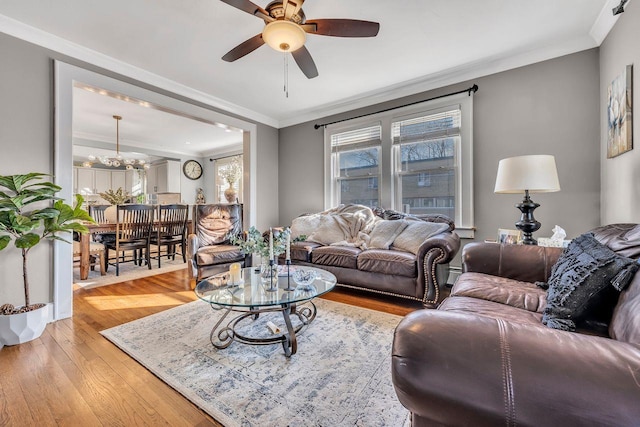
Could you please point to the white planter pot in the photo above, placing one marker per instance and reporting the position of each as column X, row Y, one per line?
column 23, row 327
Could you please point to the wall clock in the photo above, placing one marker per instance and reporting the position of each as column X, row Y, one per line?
column 192, row 169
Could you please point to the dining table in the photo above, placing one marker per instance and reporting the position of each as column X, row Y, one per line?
column 85, row 239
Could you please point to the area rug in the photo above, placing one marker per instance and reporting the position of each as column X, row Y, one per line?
column 128, row 271
column 340, row 376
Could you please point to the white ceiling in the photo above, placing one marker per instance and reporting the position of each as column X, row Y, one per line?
column 145, row 127
column 422, row 44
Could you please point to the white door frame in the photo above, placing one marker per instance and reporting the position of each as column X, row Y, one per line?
column 65, row 77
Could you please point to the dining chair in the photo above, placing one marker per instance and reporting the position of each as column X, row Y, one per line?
column 96, row 251
column 97, row 212
column 171, row 230
column 133, row 233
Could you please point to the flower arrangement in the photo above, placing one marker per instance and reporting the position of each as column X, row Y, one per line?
column 117, row 197
column 255, row 242
column 231, row 172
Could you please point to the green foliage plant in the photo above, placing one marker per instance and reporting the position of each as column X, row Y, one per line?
column 26, row 219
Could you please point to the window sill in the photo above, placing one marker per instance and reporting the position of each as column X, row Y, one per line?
column 466, row 232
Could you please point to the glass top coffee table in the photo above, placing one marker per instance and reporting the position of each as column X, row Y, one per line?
column 255, row 295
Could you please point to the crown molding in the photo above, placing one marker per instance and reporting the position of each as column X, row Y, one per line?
column 49, row 41
column 605, row 21
column 469, row 71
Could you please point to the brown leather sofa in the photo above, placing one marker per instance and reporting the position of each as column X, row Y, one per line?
column 485, row 359
column 390, row 272
column 208, row 248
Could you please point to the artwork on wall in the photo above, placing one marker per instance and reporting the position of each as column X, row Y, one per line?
column 619, row 114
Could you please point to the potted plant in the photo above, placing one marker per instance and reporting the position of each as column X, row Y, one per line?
column 114, row 198
column 231, row 173
column 27, row 219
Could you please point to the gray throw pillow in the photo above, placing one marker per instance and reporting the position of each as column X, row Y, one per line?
column 587, row 276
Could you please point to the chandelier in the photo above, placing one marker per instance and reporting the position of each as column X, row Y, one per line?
column 117, row 160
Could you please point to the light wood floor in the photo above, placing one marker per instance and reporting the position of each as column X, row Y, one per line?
column 72, row 376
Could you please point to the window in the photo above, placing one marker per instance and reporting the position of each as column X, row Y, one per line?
column 356, row 159
column 417, row 159
column 221, row 185
column 426, row 146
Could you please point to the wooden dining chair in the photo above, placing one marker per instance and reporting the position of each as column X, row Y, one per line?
column 96, row 254
column 170, row 230
column 133, row 233
column 97, row 212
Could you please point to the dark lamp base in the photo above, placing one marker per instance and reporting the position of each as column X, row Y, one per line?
column 528, row 224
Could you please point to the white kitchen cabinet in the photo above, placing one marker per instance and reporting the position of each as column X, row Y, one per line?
column 85, row 184
column 118, row 179
column 164, row 177
column 102, row 180
column 152, row 177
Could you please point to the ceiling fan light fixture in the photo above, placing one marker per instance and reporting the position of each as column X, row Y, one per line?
column 284, row 36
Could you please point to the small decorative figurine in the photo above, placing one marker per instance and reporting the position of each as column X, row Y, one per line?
column 200, row 197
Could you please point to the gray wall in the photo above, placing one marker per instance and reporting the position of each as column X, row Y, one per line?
column 26, row 141
column 545, row 108
column 267, row 178
column 620, row 197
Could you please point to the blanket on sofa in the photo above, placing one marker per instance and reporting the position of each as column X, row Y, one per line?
column 344, row 225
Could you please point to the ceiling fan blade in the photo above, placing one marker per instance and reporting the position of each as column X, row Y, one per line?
column 244, row 48
column 250, row 8
column 305, row 62
column 291, row 7
column 342, row 27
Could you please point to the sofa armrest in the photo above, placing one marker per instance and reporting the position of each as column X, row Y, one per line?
column 527, row 263
column 436, row 250
column 461, row 369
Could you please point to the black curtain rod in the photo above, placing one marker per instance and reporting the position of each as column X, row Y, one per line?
column 473, row 89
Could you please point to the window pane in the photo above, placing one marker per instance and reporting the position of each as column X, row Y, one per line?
column 363, row 191
column 438, row 197
column 363, row 162
column 428, row 155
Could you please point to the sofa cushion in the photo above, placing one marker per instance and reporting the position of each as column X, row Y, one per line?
column 218, row 254
column 416, row 232
column 384, row 233
column 301, row 251
column 336, row 256
column 490, row 309
column 388, row 262
column 580, row 282
column 524, row 295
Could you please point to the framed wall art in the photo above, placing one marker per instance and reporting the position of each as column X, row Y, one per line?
column 619, row 114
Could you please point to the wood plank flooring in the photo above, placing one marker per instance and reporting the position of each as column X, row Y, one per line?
column 72, row 376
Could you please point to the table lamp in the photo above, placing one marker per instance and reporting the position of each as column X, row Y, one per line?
column 535, row 174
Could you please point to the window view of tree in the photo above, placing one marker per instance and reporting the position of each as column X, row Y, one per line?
column 427, row 163
column 358, row 174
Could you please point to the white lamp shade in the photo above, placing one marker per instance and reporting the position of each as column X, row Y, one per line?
column 536, row 173
column 284, row 36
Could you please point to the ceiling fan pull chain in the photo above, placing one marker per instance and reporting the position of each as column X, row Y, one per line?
column 286, row 74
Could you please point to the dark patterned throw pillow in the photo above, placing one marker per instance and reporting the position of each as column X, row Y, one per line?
column 587, row 276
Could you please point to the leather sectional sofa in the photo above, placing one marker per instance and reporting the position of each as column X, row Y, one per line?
column 484, row 358
column 388, row 271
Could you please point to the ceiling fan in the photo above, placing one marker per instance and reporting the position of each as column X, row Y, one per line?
column 286, row 28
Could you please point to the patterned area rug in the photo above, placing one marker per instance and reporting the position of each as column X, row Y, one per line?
column 340, row 376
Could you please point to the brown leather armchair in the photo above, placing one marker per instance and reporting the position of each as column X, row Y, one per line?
column 484, row 358
column 208, row 248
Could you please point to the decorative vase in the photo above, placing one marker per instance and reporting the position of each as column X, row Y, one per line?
column 22, row 327
column 111, row 214
column 230, row 194
column 269, row 274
